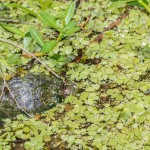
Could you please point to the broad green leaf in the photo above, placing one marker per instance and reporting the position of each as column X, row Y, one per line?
column 26, row 41
column 119, row 3
column 36, row 36
column 70, row 25
column 49, row 20
column 70, row 12
column 48, row 46
column 72, row 30
column 22, row 8
column 12, row 29
column 13, row 59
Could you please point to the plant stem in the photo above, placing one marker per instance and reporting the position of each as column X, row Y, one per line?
column 40, row 61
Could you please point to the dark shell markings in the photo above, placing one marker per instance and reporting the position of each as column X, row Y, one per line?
column 33, row 93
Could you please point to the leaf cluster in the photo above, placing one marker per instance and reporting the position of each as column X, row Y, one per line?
column 64, row 26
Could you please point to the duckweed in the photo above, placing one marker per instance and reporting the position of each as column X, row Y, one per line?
column 111, row 108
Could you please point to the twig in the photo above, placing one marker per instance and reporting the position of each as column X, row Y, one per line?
column 116, row 23
column 16, row 21
column 5, row 112
column 1, row 109
column 86, row 22
column 23, row 49
column 98, row 38
column 110, row 27
column 38, row 54
column 7, row 86
column 2, row 92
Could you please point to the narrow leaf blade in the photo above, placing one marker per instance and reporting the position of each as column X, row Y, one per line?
column 49, row 20
column 48, row 46
column 12, row 29
column 36, row 36
column 70, row 12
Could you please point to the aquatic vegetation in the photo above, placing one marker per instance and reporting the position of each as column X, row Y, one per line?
column 111, row 109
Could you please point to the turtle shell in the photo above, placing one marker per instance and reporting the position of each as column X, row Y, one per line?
column 32, row 92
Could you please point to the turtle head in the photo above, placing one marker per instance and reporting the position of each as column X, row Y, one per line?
column 69, row 88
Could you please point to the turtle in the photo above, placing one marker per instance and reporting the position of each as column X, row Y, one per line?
column 34, row 93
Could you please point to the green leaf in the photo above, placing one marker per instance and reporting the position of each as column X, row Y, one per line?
column 69, row 26
column 13, row 59
column 45, row 4
column 49, row 20
column 61, row 36
column 119, row 3
column 26, row 41
column 12, row 29
column 71, row 31
column 70, row 12
column 48, row 46
column 26, row 129
column 119, row 125
column 55, row 56
column 36, row 36
column 71, row 139
column 22, row 8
